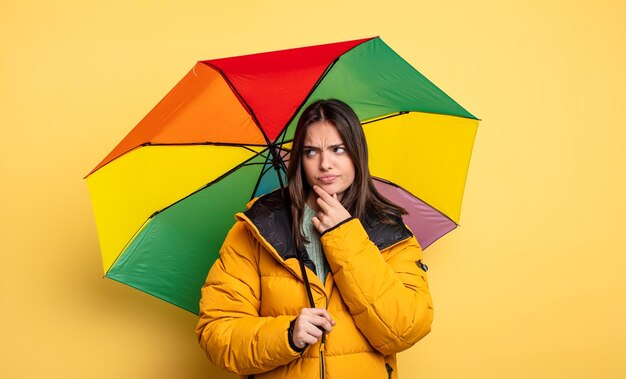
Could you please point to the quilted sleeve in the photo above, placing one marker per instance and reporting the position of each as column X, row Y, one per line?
column 230, row 329
column 387, row 294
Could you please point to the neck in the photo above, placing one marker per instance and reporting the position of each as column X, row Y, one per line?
column 311, row 201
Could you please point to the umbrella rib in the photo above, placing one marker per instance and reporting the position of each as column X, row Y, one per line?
column 282, row 160
column 400, row 113
column 258, row 181
column 313, row 88
column 132, row 238
column 245, row 146
column 269, row 167
column 148, row 144
column 241, row 99
column 318, row 82
column 244, row 163
column 265, row 170
column 284, row 131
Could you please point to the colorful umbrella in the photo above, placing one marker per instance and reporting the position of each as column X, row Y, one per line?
column 164, row 198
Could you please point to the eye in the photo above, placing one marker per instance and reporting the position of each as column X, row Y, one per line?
column 309, row 152
column 340, row 149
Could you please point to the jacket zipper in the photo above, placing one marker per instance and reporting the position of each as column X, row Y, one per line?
column 322, row 362
column 389, row 370
column 308, row 287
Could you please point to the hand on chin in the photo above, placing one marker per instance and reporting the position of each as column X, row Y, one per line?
column 330, row 210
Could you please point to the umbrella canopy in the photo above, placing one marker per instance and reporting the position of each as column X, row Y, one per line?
column 164, row 198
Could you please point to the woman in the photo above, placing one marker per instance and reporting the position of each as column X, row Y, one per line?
column 322, row 281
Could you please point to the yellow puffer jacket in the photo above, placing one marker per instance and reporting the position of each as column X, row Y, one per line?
column 377, row 293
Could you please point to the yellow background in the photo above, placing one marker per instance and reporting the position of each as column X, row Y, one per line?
column 532, row 285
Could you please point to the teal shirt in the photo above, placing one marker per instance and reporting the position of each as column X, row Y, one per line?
column 314, row 246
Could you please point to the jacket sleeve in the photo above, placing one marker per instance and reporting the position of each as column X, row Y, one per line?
column 230, row 329
column 387, row 294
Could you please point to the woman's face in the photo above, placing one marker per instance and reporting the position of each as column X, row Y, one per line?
column 325, row 160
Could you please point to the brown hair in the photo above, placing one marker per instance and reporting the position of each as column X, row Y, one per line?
column 361, row 197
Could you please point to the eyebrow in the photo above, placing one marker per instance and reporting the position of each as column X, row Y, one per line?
column 331, row 146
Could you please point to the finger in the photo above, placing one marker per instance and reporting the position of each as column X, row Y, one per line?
column 319, row 311
column 323, row 194
column 306, row 330
column 326, row 326
column 303, row 338
column 312, row 330
column 304, row 311
column 317, row 224
column 324, row 205
column 337, row 202
column 322, row 324
column 322, row 217
column 319, row 190
column 330, row 203
column 309, row 339
column 322, row 312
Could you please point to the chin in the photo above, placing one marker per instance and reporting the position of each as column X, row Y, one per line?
column 332, row 189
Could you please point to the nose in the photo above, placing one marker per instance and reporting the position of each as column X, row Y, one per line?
column 325, row 161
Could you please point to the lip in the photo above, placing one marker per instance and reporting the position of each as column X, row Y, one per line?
column 327, row 179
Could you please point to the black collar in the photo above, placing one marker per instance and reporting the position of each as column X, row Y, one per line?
column 271, row 214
